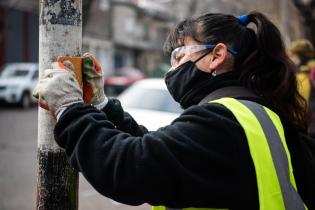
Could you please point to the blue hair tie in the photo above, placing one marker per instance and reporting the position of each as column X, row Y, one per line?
column 243, row 20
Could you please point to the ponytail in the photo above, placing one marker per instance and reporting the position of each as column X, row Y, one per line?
column 261, row 61
column 268, row 71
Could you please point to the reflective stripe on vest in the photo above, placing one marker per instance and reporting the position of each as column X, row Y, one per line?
column 271, row 157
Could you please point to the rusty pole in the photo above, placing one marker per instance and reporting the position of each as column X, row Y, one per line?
column 60, row 33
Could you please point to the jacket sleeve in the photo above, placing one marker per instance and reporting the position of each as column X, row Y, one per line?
column 194, row 162
column 122, row 120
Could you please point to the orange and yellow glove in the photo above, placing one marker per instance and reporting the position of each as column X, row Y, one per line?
column 58, row 88
column 93, row 83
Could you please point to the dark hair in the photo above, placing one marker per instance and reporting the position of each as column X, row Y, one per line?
column 262, row 62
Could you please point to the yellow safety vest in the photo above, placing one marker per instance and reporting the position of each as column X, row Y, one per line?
column 265, row 136
column 304, row 85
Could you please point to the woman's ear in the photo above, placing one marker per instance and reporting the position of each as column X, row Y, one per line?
column 218, row 56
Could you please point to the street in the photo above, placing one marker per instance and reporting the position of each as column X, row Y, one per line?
column 18, row 148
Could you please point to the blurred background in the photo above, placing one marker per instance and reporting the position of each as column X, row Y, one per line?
column 127, row 37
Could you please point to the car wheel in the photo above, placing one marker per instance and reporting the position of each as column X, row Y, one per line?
column 25, row 101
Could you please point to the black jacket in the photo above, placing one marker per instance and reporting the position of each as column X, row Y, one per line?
column 201, row 160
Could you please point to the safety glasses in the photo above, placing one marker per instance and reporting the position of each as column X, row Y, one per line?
column 180, row 52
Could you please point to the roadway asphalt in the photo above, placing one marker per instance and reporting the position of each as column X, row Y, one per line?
column 18, row 165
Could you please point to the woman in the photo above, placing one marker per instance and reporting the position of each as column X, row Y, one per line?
column 213, row 155
column 301, row 52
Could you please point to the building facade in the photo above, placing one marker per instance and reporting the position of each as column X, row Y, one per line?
column 132, row 36
column 18, row 33
column 129, row 33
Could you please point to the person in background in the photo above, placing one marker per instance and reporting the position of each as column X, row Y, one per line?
column 302, row 53
column 239, row 144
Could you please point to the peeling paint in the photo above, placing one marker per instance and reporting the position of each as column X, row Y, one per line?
column 78, row 51
column 64, row 12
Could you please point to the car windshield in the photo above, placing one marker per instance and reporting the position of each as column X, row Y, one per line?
column 149, row 98
column 14, row 73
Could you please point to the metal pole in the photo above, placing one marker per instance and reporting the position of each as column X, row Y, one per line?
column 60, row 33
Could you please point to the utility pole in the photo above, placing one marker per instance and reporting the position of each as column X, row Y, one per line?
column 60, row 33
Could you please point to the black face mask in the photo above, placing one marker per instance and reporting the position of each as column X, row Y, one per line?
column 184, row 80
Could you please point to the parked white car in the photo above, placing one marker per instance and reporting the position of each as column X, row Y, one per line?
column 17, row 81
column 150, row 104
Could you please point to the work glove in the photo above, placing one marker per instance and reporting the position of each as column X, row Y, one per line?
column 93, row 83
column 58, row 89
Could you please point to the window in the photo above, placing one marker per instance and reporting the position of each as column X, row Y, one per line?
column 35, row 75
column 119, row 60
column 15, row 73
